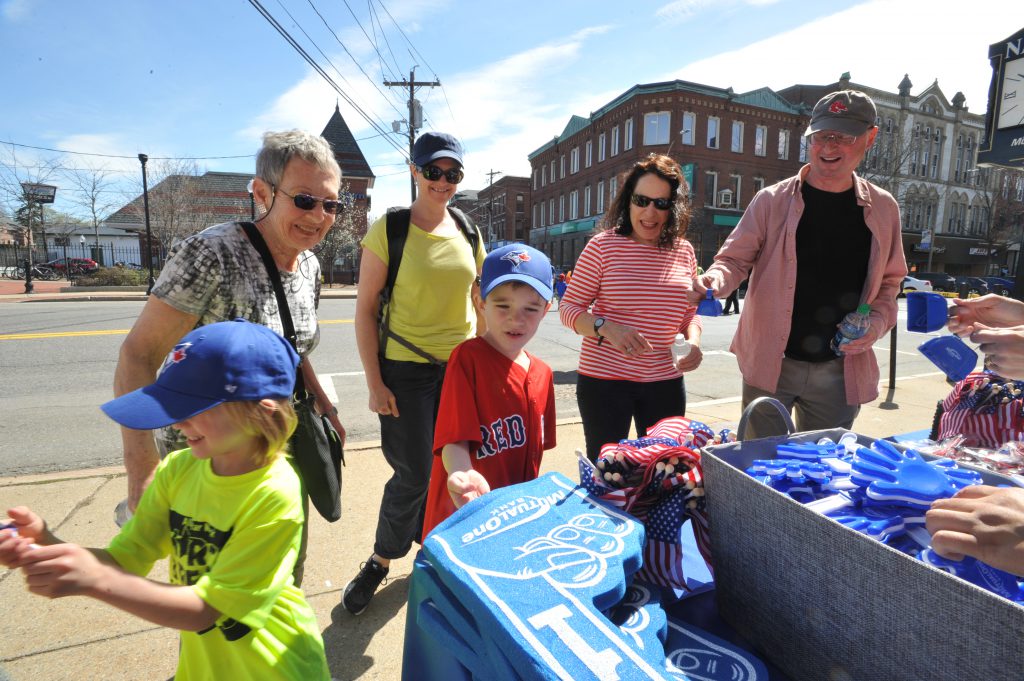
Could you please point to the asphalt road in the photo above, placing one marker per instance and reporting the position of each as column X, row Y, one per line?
column 57, row 364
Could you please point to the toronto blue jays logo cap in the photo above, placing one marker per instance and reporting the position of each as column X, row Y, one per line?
column 517, row 262
column 224, row 362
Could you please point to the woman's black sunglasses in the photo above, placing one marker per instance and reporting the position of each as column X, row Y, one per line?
column 641, row 201
column 434, row 173
column 308, row 202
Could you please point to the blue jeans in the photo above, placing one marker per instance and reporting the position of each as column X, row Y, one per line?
column 408, row 446
column 607, row 407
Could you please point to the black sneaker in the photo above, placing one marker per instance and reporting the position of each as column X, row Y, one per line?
column 361, row 589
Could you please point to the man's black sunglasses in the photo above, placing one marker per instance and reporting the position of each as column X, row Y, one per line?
column 308, row 202
column 641, row 201
column 434, row 173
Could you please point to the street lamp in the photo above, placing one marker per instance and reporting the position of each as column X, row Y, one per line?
column 149, row 236
column 38, row 194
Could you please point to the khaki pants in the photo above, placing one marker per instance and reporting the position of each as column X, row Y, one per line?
column 815, row 392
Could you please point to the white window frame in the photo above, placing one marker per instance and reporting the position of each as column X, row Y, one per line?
column 599, row 209
column 574, row 204
column 615, row 141
column 602, row 147
column 783, row 149
column 590, row 154
column 688, row 133
column 574, row 161
column 711, row 187
column 553, row 175
column 657, row 127
column 613, row 186
column 714, row 132
column 736, row 137
column 761, row 140
column 627, row 142
column 586, row 201
column 544, row 175
column 758, row 184
column 737, row 188
column 803, row 149
column 551, row 211
column 561, row 207
column 561, row 167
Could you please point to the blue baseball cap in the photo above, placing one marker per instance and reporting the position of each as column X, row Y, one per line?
column 224, row 362
column 434, row 145
column 517, row 262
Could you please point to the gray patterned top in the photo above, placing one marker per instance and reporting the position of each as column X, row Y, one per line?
column 218, row 275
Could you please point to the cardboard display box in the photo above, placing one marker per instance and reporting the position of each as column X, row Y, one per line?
column 823, row 601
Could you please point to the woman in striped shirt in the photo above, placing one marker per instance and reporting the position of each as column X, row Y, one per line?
column 628, row 300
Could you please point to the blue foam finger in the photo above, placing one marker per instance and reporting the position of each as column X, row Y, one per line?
column 538, row 564
column 900, row 477
column 693, row 653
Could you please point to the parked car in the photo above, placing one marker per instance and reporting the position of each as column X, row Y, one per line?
column 914, row 284
column 86, row 265
column 975, row 285
column 940, row 280
column 1000, row 285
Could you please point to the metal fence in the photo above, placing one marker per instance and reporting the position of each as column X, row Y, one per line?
column 106, row 255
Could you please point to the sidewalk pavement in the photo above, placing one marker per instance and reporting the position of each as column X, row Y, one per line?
column 79, row 638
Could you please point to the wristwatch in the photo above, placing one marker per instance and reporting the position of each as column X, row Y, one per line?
column 598, row 323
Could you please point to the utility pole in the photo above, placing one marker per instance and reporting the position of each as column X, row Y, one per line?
column 490, row 202
column 415, row 122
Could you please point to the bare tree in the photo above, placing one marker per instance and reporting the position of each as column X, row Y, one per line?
column 343, row 237
column 999, row 207
column 174, row 201
column 93, row 191
column 16, row 172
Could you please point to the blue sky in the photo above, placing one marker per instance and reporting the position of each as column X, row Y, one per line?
column 201, row 78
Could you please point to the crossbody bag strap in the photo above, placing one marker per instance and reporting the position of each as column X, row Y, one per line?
column 260, row 244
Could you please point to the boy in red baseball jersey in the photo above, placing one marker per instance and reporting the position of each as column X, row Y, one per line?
column 497, row 412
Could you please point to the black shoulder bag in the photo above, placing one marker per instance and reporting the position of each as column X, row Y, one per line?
column 317, row 453
column 397, row 231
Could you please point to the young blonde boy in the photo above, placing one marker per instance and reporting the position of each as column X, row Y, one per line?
column 497, row 411
column 226, row 511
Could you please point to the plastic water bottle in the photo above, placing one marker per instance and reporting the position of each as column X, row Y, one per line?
column 854, row 325
column 680, row 348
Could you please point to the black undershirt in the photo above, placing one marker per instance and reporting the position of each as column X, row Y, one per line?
column 833, row 245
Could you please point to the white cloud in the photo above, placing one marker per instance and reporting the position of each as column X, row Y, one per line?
column 683, row 10
column 877, row 42
column 16, row 10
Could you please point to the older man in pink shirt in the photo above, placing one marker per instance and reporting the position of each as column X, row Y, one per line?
column 814, row 246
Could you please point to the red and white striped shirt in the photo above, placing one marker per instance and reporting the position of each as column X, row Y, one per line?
column 638, row 285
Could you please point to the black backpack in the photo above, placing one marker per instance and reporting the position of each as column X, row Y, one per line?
column 397, row 230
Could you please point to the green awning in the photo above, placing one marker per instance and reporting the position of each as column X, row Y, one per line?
column 727, row 220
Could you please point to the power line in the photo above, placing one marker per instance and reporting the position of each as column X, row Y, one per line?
column 421, row 57
column 383, row 33
column 305, row 55
column 338, row 40
column 134, row 158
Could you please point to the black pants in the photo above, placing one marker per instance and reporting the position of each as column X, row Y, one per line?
column 408, row 446
column 607, row 407
column 732, row 303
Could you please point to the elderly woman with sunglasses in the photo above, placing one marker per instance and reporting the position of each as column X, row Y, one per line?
column 430, row 312
column 628, row 299
column 218, row 275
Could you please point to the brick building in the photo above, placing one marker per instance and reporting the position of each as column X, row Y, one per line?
column 730, row 146
column 501, row 211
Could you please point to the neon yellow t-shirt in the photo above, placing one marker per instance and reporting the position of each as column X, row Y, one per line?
column 431, row 305
column 235, row 540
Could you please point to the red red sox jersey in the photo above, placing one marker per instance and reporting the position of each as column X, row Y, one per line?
column 505, row 412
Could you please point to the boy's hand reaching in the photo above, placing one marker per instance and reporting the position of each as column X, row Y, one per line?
column 19, row 535
column 61, row 570
column 465, row 486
